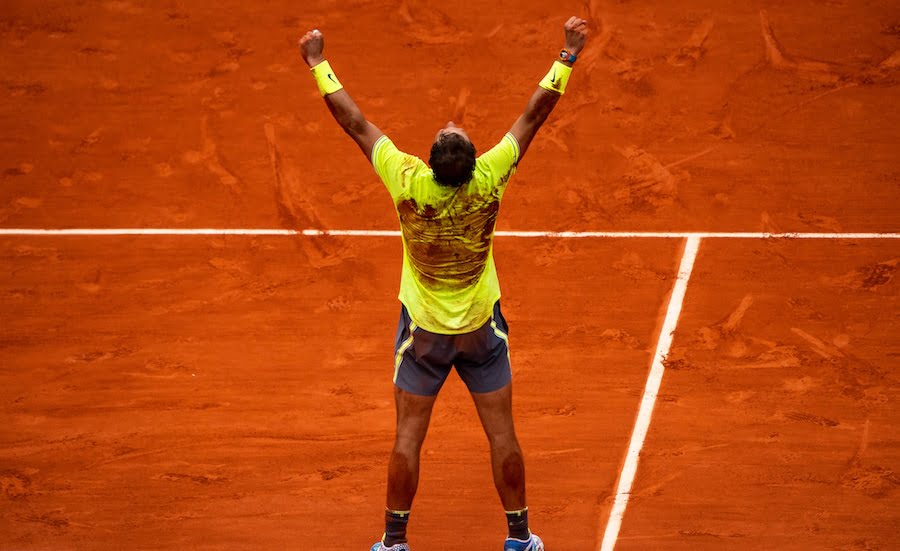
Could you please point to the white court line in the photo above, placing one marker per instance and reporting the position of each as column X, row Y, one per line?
column 651, row 390
column 396, row 233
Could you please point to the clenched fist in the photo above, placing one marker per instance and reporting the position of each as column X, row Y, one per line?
column 311, row 46
column 576, row 34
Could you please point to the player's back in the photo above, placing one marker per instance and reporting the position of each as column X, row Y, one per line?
column 449, row 281
column 448, row 239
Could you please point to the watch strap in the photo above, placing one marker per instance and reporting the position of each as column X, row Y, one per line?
column 566, row 55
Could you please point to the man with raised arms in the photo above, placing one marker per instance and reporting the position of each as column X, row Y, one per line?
column 449, row 291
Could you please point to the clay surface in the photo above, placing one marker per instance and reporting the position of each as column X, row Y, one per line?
column 235, row 392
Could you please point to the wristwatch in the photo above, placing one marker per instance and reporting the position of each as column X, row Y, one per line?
column 566, row 55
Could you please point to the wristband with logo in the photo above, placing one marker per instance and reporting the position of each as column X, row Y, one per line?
column 325, row 79
column 556, row 79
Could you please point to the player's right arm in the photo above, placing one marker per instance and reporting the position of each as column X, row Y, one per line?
column 344, row 110
column 544, row 100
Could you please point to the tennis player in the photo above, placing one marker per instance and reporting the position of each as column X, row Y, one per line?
column 449, row 291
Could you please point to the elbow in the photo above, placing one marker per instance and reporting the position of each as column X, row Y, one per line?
column 538, row 115
column 354, row 125
column 540, row 110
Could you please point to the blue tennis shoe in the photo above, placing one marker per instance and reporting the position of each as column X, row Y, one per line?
column 379, row 546
column 533, row 543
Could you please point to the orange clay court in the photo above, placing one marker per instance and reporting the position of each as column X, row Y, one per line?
column 233, row 391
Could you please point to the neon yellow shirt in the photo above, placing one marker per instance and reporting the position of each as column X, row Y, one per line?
column 449, row 283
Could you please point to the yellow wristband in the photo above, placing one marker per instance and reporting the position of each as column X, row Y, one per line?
column 328, row 83
column 557, row 78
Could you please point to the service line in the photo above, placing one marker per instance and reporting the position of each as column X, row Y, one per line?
column 651, row 390
column 396, row 233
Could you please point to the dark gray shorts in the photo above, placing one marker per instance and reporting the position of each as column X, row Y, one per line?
column 423, row 360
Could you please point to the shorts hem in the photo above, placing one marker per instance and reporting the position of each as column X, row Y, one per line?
column 404, row 388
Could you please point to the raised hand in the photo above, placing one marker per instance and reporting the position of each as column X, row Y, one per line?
column 311, row 45
column 576, row 34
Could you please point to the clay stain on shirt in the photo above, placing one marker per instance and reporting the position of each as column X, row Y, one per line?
column 449, row 245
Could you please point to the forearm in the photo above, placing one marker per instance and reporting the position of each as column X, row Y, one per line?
column 340, row 104
column 346, row 112
column 342, row 107
column 542, row 103
column 540, row 106
column 551, row 87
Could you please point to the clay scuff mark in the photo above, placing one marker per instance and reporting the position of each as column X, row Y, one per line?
column 428, row 25
column 777, row 57
column 693, row 50
column 648, row 184
column 825, row 351
column 867, row 278
column 746, row 352
column 872, row 480
column 824, row 72
column 211, row 158
column 298, row 213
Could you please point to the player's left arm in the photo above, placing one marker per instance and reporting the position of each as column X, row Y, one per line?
column 342, row 107
column 550, row 89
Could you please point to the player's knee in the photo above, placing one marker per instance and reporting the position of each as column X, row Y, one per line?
column 504, row 441
column 408, row 446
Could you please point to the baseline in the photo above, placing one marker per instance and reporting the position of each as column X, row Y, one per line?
column 396, row 233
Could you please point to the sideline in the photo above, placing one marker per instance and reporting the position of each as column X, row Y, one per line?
column 651, row 390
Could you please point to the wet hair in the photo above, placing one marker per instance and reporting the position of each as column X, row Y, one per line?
column 452, row 160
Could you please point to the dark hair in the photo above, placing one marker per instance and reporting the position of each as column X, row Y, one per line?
column 452, row 160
